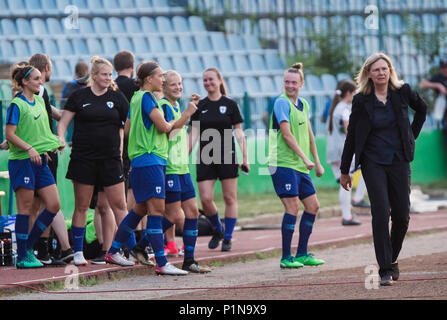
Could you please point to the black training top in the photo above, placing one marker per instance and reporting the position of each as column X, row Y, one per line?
column 97, row 122
column 220, row 115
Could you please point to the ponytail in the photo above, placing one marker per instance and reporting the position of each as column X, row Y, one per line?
column 343, row 87
column 222, row 88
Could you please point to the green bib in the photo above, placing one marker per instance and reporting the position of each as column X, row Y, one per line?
column 280, row 154
column 141, row 140
column 33, row 128
column 178, row 144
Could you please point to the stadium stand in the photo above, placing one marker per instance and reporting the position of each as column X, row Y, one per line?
column 249, row 52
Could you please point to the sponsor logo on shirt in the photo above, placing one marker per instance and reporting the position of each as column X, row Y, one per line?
column 86, row 105
column 204, row 111
column 35, row 118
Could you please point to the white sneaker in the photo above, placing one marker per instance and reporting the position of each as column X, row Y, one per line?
column 118, row 259
column 169, row 269
column 78, row 259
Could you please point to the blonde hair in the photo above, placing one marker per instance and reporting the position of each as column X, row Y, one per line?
column 296, row 68
column 365, row 85
column 96, row 64
column 168, row 74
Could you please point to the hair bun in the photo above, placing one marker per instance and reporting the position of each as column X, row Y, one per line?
column 297, row 65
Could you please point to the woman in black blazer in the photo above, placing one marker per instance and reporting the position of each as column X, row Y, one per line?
column 382, row 139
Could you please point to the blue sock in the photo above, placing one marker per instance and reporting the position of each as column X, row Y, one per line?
column 166, row 224
column 287, row 230
column 144, row 241
column 131, row 241
column 306, row 225
column 77, row 235
column 190, row 233
column 125, row 232
column 41, row 224
column 215, row 222
column 21, row 229
column 155, row 233
column 230, row 223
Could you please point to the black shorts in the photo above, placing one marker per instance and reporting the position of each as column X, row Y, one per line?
column 100, row 173
column 52, row 163
column 216, row 171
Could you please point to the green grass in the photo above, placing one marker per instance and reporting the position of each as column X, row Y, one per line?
column 252, row 205
column 438, row 185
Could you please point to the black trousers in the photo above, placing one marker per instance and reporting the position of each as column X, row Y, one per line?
column 389, row 193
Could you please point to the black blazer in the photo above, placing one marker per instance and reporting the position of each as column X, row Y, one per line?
column 360, row 123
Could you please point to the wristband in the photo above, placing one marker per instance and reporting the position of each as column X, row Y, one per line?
column 29, row 149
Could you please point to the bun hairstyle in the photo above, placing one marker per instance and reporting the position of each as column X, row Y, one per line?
column 144, row 70
column 343, row 87
column 296, row 68
column 96, row 64
column 19, row 72
column 222, row 88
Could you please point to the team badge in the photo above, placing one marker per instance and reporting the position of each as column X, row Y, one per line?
column 223, row 109
column 158, row 189
column 110, row 104
column 288, row 186
column 170, row 183
column 26, row 180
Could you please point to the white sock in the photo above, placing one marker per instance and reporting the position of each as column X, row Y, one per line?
column 345, row 203
column 360, row 191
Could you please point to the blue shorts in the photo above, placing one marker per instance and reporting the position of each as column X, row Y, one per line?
column 148, row 182
column 179, row 187
column 290, row 183
column 24, row 173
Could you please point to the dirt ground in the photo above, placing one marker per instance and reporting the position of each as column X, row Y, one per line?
column 345, row 275
column 422, row 277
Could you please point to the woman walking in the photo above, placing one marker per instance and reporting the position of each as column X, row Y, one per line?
column 383, row 141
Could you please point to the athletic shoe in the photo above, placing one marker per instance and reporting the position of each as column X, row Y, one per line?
column 215, row 240
column 360, row 204
column 78, row 259
column 118, row 259
column 169, row 269
column 44, row 257
column 226, row 245
column 55, row 263
column 395, row 273
column 141, row 256
column 30, row 261
column 386, row 280
column 99, row 259
column 290, row 262
column 67, row 255
column 171, row 249
column 193, row 266
column 309, row 260
column 351, row 222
